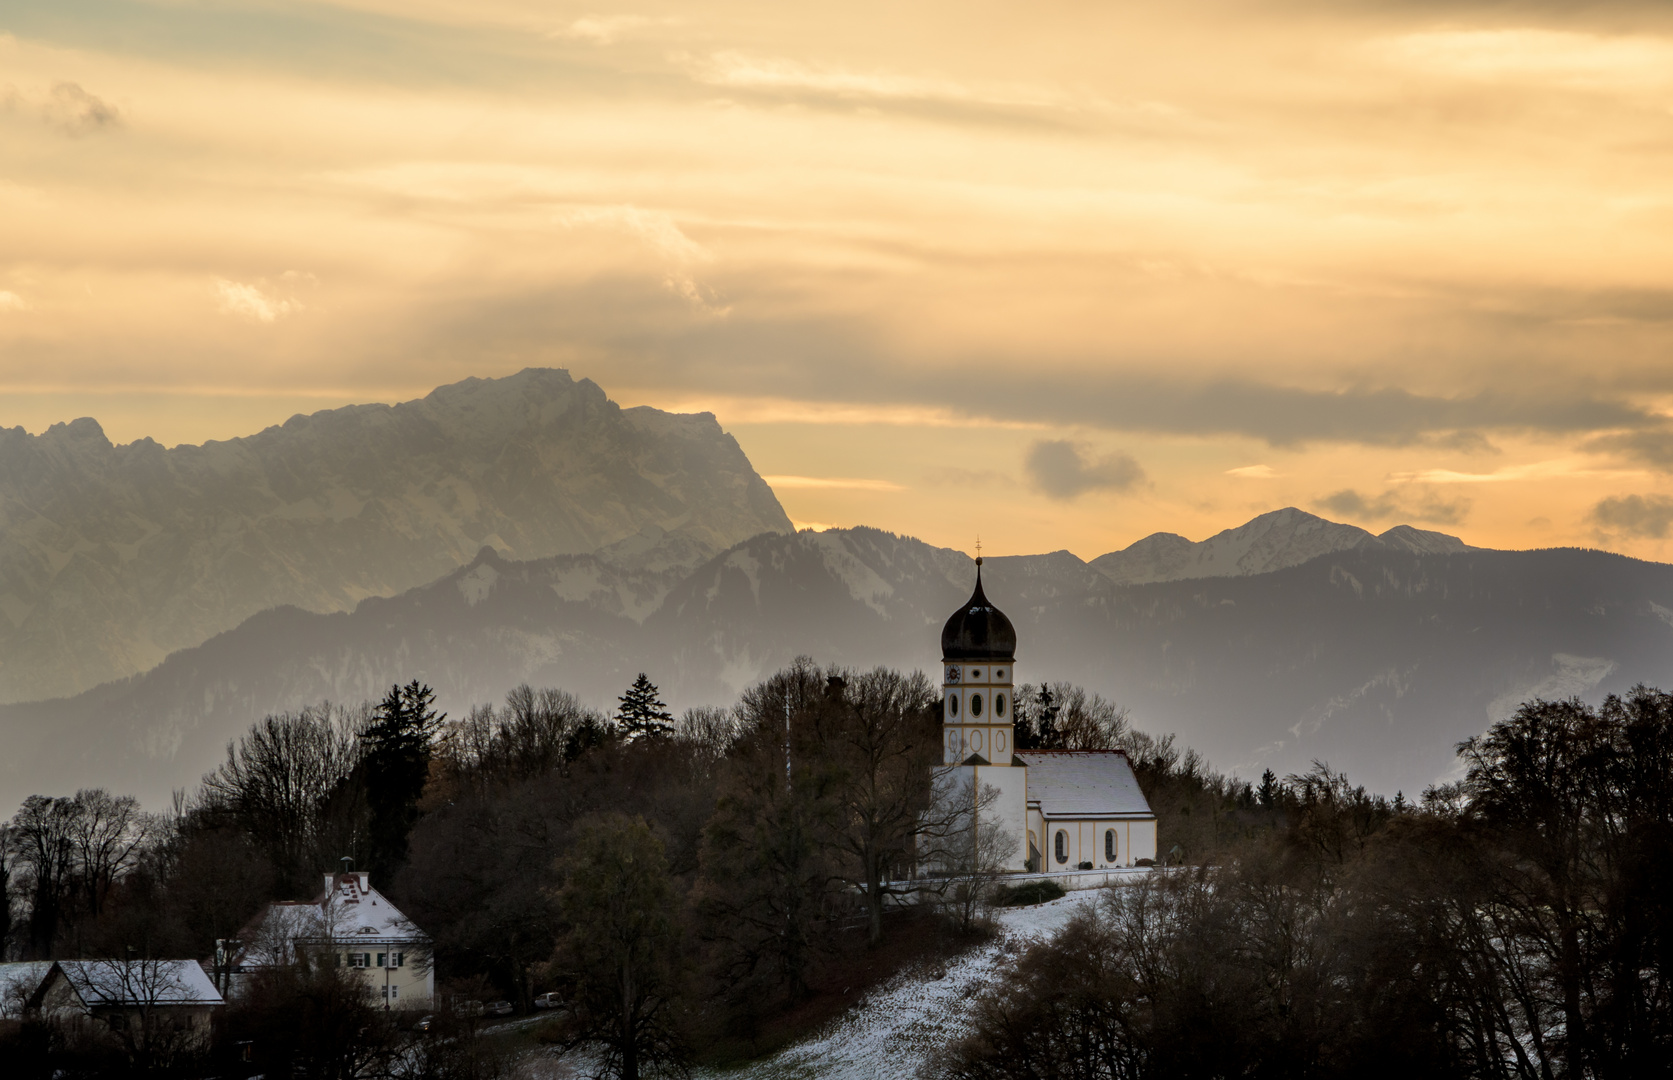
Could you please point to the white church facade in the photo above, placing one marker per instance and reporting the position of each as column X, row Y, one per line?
column 1068, row 809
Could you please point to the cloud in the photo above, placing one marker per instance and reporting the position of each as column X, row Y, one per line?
column 11, row 301
column 607, row 29
column 1651, row 446
column 236, row 298
column 1253, row 472
column 76, row 112
column 1641, row 516
column 656, row 231
column 1535, row 56
column 1063, row 469
column 1429, row 508
column 847, row 482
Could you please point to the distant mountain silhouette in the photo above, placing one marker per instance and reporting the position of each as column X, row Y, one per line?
column 1283, row 538
column 112, row 557
column 1374, row 658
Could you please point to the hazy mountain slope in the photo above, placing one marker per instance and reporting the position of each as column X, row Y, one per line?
column 1374, row 660
column 111, row 557
column 570, row 620
column 1273, row 541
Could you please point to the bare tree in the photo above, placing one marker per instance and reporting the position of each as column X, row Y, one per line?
column 107, row 832
column 279, row 782
column 971, row 847
column 43, row 843
column 882, row 737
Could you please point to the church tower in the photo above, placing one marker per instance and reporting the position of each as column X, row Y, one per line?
column 978, row 651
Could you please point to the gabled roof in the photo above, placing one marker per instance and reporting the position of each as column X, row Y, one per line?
column 138, row 982
column 1083, row 783
column 347, row 912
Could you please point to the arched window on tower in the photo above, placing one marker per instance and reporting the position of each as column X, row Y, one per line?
column 1062, row 846
column 952, row 706
column 999, row 704
column 975, row 704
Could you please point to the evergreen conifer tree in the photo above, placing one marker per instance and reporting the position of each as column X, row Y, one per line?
column 398, row 744
column 642, row 712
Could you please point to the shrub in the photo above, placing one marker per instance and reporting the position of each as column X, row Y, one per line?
column 1034, row 892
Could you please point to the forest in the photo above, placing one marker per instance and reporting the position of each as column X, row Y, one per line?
column 699, row 891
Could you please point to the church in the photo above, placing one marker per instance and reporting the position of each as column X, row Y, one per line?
column 1069, row 809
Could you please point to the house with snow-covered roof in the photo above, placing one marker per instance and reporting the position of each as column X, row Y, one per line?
column 349, row 924
column 1067, row 809
column 161, row 1005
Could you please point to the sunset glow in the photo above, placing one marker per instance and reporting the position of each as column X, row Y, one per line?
column 1115, row 268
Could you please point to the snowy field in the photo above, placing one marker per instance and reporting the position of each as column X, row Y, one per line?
column 893, row 1032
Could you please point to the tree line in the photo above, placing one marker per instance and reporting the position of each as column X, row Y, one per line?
column 701, row 889
column 1517, row 924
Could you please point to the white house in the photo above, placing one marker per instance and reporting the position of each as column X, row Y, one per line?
column 356, row 927
column 1066, row 808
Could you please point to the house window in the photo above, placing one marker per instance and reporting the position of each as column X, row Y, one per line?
column 1109, row 845
column 975, row 704
column 360, row 959
column 1062, row 844
column 390, row 993
column 396, row 959
column 382, row 959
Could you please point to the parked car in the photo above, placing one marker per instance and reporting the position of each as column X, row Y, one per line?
column 470, row 1008
column 498, row 1008
column 548, row 1001
column 425, row 1022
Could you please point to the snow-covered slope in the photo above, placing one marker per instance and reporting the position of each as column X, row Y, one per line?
column 895, row 1031
column 112, row 557
column 1282, row 538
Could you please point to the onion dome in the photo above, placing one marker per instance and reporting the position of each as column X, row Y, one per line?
column 978, row 630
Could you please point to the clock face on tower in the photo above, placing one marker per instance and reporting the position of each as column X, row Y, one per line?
column 952, row 673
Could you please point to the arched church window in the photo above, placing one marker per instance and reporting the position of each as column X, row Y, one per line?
column 1062, row 845
column 999, row 704
column 952, row 706
column 1109, row 845
column 975, row 704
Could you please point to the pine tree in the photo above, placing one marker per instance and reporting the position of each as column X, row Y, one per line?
column 1267, row 793
column 398, row 744
column 642, row 712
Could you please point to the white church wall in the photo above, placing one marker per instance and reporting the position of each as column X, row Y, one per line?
column 1011, row 806
column 1093, row 840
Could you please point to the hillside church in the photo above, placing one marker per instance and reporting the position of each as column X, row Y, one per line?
column 1069, row 809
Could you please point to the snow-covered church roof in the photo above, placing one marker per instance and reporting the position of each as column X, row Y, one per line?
column 1083, row 784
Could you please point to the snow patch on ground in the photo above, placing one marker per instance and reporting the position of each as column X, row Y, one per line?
column 894, row 1032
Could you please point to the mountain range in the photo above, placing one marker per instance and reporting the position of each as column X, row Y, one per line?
column 113, row 557
column 1375, row 654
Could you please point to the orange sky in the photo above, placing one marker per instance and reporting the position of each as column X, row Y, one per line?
column 1062, row 274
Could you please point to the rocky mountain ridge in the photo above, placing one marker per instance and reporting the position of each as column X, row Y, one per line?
column 113, row 557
